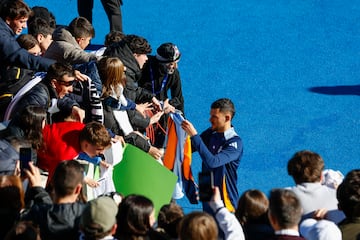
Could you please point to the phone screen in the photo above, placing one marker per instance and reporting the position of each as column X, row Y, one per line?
column 25, row 158
column 206, row 184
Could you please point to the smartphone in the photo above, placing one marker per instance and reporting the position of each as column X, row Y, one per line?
column 25, row 157
column 206, row 185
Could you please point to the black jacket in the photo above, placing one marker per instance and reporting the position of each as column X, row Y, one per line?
column 134, row 139
column 157, row 76
column 133, row 74
column 41, row 95
column 56, row 221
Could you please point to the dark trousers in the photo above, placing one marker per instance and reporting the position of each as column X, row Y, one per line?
column 112, row 9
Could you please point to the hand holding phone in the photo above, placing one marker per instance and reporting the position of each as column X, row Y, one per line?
column 206, row 186
column 25, row 157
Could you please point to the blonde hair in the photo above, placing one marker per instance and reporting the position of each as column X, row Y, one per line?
column 112, row 74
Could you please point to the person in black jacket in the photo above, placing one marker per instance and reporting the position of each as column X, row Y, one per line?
column 132, row 51
column 57, row 218
column 160, row 74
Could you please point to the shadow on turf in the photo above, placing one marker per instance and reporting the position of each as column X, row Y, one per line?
column 337, row 90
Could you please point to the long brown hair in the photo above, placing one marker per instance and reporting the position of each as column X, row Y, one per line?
column 112, row 74
column 31, row 121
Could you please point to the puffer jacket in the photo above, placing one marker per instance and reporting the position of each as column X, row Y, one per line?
column 133, row 71
column 133, row 74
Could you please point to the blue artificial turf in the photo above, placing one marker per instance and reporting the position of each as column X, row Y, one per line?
column 291, row 67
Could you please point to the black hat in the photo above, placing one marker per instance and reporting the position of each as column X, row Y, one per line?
column 168, row 52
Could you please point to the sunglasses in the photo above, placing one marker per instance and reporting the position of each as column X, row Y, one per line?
column 65, row 83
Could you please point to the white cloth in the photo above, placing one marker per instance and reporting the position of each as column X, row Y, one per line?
column 123, row 119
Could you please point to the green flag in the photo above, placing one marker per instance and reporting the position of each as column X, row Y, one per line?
column 139, row 173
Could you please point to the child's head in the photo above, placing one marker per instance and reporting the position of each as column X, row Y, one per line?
column 68, row 179
column 29, row 43
column 169, row 218
column 135, row 217
column 82, row 30
column 94, row 139
column 305, row 166
column 252, row 207
column 111, row 71
column 43, row 13
column 198, row 225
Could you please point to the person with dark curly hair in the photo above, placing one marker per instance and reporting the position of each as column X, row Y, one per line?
column 348, row 195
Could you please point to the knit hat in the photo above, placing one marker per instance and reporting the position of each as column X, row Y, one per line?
column 312, row 229
column 102, row 211
column 167, row 53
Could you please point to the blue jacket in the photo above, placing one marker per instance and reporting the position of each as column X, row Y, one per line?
column 221, row 154
column 41, row 95
column 11, row 54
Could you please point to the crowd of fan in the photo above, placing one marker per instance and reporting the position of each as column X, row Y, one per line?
column 64, row 102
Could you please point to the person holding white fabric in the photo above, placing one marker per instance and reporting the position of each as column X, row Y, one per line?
column 111, row 71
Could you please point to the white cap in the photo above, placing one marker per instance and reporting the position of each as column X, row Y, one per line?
column 312, row 229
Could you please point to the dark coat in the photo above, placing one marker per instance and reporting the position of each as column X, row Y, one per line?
column 134, row 139
column 56, row 221
column 285, row 237
column 156, row 76
column 41, row 95
column 11, row 54
column 133, row 74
